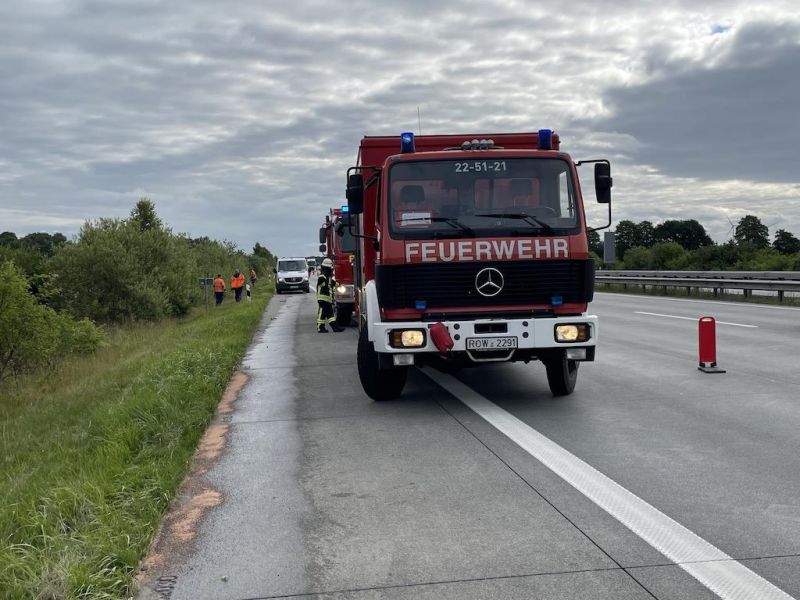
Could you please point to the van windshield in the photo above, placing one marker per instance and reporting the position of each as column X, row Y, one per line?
column 292, row 265
column 482, row 197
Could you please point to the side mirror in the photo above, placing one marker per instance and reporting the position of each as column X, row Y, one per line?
column 323, row 232
column 603, row 182
column 355, row 194
column 274, row 270
column 322, row 248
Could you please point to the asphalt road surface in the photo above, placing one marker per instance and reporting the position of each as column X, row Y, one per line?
column 652, row 480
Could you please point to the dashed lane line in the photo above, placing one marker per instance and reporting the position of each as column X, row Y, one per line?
column 652, row 314
column 720, row 573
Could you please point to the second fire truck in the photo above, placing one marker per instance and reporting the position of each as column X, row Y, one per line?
column 337, row 242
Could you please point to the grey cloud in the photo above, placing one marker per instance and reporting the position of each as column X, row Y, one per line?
column 735, row 119
column 240, row 119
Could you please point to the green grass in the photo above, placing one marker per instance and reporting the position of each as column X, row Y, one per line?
column 680, row 292
column 92, row 454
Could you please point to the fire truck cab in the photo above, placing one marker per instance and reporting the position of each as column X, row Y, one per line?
column 337, row 242
column 471, row 249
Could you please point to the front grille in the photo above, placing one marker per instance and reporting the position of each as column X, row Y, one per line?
column 294, row 279
column 453, row 284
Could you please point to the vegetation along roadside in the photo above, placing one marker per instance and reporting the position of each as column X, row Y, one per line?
column 111, row 366
column 93, row 454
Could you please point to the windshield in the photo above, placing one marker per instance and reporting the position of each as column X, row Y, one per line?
column 292, row 265
column 346, row 241
column 482, row 197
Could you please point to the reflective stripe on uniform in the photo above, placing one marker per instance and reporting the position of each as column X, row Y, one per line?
column 322, row 320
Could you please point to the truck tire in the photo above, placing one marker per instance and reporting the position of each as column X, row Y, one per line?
column 344, row 313
column 378, row 384
column 561, row 375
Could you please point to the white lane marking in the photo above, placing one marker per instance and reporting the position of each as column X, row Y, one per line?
column 641, row 312
column 727, row 578
column 743, row 304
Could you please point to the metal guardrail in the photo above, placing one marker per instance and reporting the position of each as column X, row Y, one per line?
column 716, row 281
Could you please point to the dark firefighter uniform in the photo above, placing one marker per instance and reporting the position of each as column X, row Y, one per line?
column 325, row 301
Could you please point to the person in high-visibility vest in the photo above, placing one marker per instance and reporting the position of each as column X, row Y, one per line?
column 237, row 284
column 219, row 289
column 325, row 314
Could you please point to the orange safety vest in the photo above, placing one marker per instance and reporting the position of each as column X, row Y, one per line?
column 219, row 284
column 237, row 282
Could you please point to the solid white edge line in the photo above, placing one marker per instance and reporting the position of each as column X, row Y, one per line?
column 652, row 314
column 721, row 574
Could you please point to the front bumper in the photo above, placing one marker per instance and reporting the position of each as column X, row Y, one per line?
column 531, row 334
column 283, row 286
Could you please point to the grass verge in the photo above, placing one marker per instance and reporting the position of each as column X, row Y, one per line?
column 93, row 453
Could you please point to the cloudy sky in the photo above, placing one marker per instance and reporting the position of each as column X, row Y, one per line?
column 239, row 118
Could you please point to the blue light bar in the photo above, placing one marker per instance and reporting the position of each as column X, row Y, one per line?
column 545, row 139
column 345, row 208
column 406, row 142
column 557, row 300
column 420, row 304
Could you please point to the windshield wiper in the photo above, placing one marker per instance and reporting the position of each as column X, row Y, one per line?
column 529, row 219
column 452, row 221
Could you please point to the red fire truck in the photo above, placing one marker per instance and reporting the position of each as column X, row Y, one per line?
column 336, row 240
column 471, row 249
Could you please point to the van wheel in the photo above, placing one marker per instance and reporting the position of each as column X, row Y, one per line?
column 562, row 374
column 378, row 384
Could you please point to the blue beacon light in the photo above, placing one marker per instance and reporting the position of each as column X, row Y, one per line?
column 345, row 208
column 545, row 139
column 406, row 142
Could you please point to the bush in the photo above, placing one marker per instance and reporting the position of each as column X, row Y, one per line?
column 638, row 257
column 136, row 269
column 117, row 272
column 33, row 335
column 670, row 256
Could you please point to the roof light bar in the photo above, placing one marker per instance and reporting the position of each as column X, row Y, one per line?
column 477, row 145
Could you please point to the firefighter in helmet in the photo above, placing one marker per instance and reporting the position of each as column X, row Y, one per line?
column 325, row 298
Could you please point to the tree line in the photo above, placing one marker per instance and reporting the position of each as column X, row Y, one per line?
column 57, row 293
column 685, row 245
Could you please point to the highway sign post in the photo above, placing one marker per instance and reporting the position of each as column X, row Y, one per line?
column 206, row 282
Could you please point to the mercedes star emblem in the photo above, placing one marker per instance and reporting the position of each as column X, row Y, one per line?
column 489, row 282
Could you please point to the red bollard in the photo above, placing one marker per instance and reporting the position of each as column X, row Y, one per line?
column 707, row 329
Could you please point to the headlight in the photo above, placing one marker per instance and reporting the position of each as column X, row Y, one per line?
column 407, row 338
column 305, row 277
column 578, row 332
column 280, row 279
column 340, row 289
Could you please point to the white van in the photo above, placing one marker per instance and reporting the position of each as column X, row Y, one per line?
column 291, row 274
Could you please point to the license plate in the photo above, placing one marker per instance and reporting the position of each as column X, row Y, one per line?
column 492, row 343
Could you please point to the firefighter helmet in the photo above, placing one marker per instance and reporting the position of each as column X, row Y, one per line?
column 327, row 262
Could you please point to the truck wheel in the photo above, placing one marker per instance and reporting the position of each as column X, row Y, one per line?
column 344, row 312
column 379, row 384
column 561, row 375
